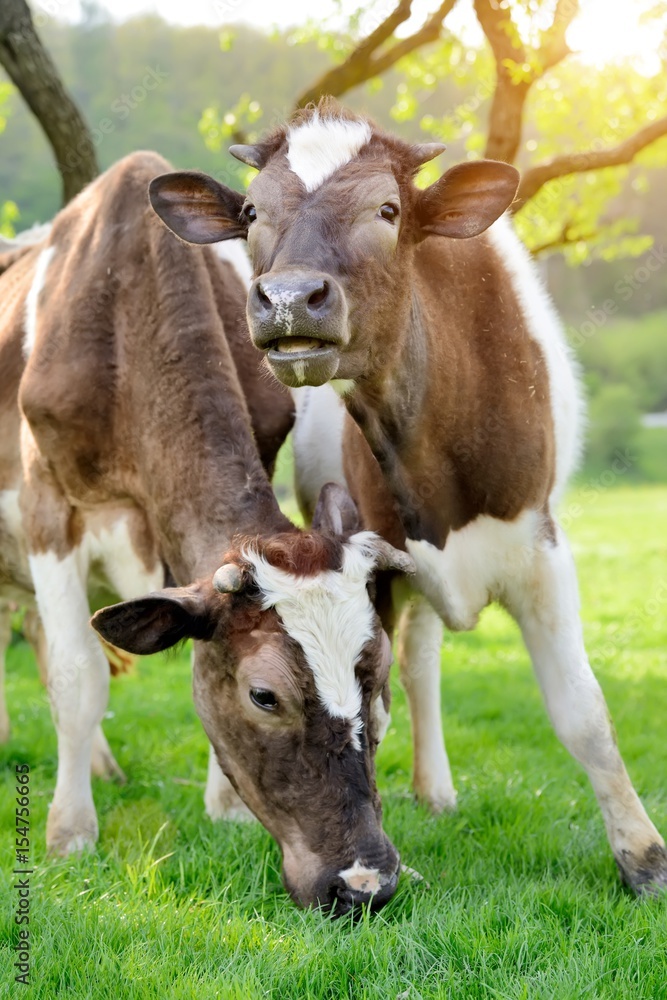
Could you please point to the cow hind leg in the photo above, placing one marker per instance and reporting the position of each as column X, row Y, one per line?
column 78, row 686
column 546, row 606
column 5, row 636
column 222, row 801
column 419, row 645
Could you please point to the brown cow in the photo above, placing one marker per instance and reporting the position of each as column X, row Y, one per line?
column 453, row 365
column 127, row 445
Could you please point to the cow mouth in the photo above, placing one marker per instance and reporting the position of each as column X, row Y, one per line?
column 298, row 346
column 297, row 361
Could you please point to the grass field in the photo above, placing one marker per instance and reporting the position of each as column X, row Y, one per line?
column 522, row 900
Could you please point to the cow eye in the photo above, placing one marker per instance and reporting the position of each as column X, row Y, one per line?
column 263, row 699
column 250, row 213
column 389, row 213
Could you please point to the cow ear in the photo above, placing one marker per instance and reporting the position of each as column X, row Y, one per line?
column 336, row 512
column 467, row 199
column 198, row 208
column 158, row 621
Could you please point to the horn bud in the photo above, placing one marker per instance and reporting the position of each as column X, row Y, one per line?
column 254, row 156
column 228, row 579
column 425, row 151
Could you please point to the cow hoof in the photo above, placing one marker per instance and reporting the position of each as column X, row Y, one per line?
column 62, row 843
column 438, row 800
column 646, row 875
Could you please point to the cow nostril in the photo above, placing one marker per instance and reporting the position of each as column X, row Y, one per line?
column 318, row 298
column 263, row 297
column 340, row 899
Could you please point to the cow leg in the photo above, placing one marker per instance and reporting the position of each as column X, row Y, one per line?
column 103, row 763
column 5, row 637
column 220, row 798
column 545, row 603
column 419, row 645
column 78, row 686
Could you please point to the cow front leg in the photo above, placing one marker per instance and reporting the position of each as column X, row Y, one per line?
column 221, row 799
column 103, row 764
column 78, row 687
column 545, row 603
column 5, row 637
column 419, row 646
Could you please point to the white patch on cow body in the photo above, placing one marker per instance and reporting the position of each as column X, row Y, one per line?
column 107, row 548
column 331, row 616
column 321, row 146
column 471, row 570
column 317, row 441
column 32, row 299
column 545, row 327
column 234, row 252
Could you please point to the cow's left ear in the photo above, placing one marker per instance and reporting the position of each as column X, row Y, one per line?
column 198, row 208
column 156, row 622
column 467, row 199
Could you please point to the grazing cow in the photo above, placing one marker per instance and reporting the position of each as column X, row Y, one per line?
column 127, row 446
column 430, row 322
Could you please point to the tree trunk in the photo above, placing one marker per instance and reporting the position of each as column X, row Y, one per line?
column 31, row 69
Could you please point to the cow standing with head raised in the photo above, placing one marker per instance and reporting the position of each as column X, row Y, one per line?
column 128, row 446
column 424, row 313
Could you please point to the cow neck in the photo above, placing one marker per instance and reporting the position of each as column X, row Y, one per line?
column 203, row 481
column 387, row 407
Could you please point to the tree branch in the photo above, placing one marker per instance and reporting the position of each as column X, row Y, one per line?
column 30, row 68
column 554, row 47
column 362, row 64
column 575, row 163
column 509, row 97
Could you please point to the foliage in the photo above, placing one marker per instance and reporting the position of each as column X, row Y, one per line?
column 625, row 369
column 634, row 353
column 522, row 897
column 614, row 425
column 9, row 212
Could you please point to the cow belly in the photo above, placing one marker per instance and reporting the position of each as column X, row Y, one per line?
column 476, row 565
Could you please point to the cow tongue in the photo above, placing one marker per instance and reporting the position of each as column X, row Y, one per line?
column 291, row 345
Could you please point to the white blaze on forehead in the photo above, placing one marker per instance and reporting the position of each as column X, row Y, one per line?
column 319, row 147
column 331, row 616
column 32, row 299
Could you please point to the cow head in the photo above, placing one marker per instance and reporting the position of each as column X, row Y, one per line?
column 332, row 222
column 291, row 683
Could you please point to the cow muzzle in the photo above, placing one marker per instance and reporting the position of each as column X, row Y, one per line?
column 368, row 881
column 299, row 319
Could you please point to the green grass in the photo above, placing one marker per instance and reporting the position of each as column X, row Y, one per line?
column 522, row 901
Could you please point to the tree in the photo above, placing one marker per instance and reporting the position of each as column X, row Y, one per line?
column 31, row 69
column 518, row 88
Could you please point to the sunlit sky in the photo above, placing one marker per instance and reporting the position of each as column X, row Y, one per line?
column 604, row 31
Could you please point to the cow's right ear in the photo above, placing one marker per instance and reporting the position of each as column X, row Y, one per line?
column 156, row 622
column 198, row 208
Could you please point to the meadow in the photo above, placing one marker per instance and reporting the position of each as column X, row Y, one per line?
column 520, row 897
